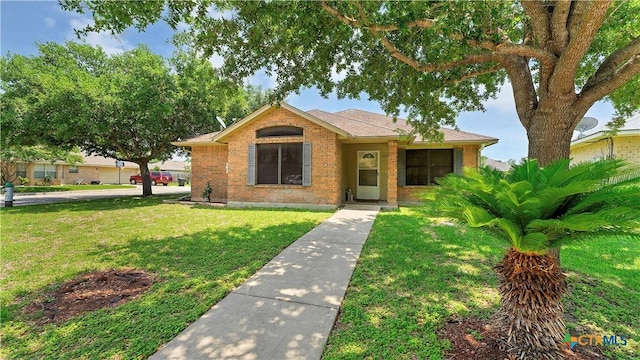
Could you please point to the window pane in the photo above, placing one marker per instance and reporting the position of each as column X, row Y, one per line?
column 441, row 163
column 267, row 163
column 291, row 163
column 368, row 178
column 276, row 131
column 21, row 170
column 417, row 167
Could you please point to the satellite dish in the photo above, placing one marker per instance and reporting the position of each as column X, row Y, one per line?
column 587, row 123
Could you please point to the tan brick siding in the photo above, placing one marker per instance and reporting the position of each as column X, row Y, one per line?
column 624, row 147
column 209, row 164
column 392, row 173
column 325, row 162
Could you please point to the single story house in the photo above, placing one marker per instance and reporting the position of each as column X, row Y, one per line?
column 282, row 156
column 600, row 143
column 93, row 169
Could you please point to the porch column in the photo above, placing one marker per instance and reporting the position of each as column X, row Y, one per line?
column 392, row 173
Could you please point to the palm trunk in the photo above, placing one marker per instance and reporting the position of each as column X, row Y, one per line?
column 531, row 313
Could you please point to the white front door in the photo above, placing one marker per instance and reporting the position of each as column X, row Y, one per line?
column 368, row 175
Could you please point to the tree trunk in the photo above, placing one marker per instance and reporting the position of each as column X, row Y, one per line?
column 531, row 314
column 146, row 180
column 550, row 135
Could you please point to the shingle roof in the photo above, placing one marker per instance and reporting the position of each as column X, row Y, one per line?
column 367, row 124
column 360, row 124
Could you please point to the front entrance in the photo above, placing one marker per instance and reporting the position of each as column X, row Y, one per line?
column 368, row 175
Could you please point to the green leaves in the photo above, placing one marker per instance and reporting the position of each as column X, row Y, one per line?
column 535, row 208
column 128, row 106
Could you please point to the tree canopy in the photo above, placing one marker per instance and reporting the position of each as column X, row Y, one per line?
column 431, row 59
column 128, row 106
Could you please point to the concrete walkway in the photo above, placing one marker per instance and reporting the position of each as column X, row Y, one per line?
column 287, row 309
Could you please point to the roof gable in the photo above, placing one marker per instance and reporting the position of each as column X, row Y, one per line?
column 348, row 124
column 223, row 135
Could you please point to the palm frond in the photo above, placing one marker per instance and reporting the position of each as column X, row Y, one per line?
column 535, row 207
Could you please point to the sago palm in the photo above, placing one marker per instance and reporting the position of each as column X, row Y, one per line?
column 537, row 209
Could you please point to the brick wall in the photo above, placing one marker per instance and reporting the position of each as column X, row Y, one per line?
column 326, row 164
column 624, row 147
column 208, row 164
column 392, row 173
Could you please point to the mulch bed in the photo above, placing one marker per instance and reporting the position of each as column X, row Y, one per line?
column 477, row 339
column 89, row 292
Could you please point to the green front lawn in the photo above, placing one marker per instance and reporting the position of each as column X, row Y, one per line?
column 417, row 271
column 55, row 188
column 197, row 253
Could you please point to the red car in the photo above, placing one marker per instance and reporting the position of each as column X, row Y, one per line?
column 157, row 177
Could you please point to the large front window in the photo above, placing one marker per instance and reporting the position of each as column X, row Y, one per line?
column 424, row 166
column 42, row 171
column 279, row 164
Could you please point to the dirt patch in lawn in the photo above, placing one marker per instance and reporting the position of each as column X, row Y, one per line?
column 477, row 339
column 89, row 292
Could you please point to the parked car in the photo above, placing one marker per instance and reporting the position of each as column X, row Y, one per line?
column 157, row 177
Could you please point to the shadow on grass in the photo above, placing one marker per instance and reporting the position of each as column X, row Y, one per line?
column 412, row 276
column 194, row 273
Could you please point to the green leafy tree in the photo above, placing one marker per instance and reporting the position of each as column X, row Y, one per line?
column 535, row 209
column 433, row 59
column 128, row 106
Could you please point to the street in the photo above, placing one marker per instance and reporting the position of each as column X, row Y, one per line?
column 65, row 196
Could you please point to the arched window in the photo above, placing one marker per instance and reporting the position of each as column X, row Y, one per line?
column 279, row 131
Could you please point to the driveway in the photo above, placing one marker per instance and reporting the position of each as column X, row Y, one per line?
column 64, row 196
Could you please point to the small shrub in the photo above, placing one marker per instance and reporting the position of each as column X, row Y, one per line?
column 206, row 193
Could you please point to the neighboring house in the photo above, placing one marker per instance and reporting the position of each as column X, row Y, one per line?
column 601, row 143
column 94, row 168
column 282, row 156
column 497, row 164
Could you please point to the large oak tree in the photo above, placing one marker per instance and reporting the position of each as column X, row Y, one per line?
column 128, row 106
column 430, row 58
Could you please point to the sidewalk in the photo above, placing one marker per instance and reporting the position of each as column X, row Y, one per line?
column 287, row 309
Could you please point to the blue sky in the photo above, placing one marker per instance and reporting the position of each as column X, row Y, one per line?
column 23, row 23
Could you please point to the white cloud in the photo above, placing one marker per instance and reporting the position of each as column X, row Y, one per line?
column 261, row 78
column 49, row 22
column 504, row 102
column 111, row 44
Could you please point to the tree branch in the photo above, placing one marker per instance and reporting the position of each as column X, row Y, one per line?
column 615, row 80
column 546, row 58
column 613, row 62
column 562, row 79
column 579, row 8
column 559, row 32
column 476, row 73
column 524, row 92
column 419, row 23
column 539, row 21
column 428, row 67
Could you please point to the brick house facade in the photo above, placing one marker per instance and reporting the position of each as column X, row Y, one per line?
column 600, row 143
column 282, row 156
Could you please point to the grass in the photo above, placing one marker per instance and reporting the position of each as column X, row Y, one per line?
column 198, row 254
column 58, row 188
column 417, row 271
